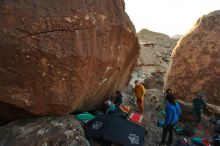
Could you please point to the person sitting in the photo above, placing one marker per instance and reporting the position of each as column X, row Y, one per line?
column 118, row 99
column 110, row 107
column 173, row 112
column 198, row 105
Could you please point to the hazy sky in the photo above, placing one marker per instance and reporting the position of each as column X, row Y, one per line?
column 168, row 16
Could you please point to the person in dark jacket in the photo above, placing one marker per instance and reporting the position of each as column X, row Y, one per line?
column 199, row 105
column 173, row 112
column 118, row 99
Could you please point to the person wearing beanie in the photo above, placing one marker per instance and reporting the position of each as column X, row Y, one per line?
column 198, row 105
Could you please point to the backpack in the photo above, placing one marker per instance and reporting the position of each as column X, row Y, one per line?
column 188, row 131
column 200, row 141
column 160, row 123
column 178, row 130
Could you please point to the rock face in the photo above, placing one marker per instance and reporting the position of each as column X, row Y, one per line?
column 46, row 131
column 156, row 49
column 195, row 64
column 56, row 57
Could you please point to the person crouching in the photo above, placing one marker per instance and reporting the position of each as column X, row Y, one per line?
column 110, row 107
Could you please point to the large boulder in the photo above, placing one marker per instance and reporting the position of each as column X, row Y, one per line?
column 156, row 49
column 153, row 61
column 45, row 131
column 61, row 56
column 195, row 64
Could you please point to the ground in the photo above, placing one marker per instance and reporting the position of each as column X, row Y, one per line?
column 153, row 106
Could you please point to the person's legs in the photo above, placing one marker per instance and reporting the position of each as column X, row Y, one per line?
column 137, row 102
column 198, row 115
column 164, row 135
column 140, row 104
column 170, row 140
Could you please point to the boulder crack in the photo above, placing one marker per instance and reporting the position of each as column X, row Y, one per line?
column 52, row 31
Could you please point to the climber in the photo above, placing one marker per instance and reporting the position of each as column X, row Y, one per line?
column 198, row 105
column 139, row 93
column 173, row 111
column 118, row 98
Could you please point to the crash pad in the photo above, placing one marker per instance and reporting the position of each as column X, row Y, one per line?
column 85, row 117
column 96, row 127
column 135, row 117
column 124, row 132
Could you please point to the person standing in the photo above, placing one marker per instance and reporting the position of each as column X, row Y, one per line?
column 118, row 98
column 173, row 112
column 169, row 93
column 198, row 105
column 139, row 93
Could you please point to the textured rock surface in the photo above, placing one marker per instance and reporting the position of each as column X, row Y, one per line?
column 56, row 57
column 155, row 50
column 195, row 65
column 155, row 53
column 46, row 131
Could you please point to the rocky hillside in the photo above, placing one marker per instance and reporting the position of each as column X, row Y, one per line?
column 177, row 36
column 154, row 57
column 57, row 57
column 195, row 64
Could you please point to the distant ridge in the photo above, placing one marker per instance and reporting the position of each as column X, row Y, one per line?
column 177, row 36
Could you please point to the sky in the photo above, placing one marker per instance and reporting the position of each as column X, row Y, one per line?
column 170, row 17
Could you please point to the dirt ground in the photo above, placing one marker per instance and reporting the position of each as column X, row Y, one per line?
column 153, row 106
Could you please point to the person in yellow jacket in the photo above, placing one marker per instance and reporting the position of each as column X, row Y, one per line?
column 139, row 91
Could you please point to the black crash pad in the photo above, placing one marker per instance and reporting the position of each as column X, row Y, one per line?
column 96, row 127
column 124, row 132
